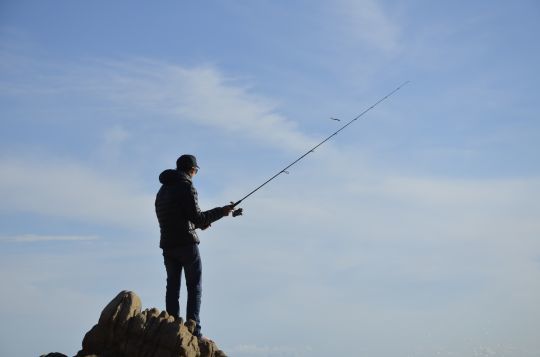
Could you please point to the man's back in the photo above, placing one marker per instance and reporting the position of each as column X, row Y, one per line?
column 170, row 201
column 178, row 211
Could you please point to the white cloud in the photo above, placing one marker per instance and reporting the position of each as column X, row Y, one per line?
column 446, row 191
column 200, row 95
column 367, row 21
column 384, row 229
column 115, row 135
column 72, row 191
column 168, row 93
column 113, row 143
column 31, row 238
column 320, row 202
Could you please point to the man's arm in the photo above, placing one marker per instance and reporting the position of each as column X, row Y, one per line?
column 204, row 219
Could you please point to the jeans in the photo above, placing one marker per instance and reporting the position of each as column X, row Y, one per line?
column 188, row 258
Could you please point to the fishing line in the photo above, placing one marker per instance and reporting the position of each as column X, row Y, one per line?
column 238, row 211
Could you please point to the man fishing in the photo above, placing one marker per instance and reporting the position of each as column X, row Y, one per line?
column 178, row 214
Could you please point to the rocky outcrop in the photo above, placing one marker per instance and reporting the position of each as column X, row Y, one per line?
column 123, row 330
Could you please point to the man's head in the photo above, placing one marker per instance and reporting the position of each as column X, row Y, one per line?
column 188, row 164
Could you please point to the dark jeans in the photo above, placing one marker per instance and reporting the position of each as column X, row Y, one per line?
column 188, row 258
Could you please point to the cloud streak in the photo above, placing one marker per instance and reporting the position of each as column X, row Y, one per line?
column 33, row 238
column 72, row 191
column 172, row 93
column 204, row 96
column 366, row 21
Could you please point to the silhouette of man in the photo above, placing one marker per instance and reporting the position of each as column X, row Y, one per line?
column 178, row 214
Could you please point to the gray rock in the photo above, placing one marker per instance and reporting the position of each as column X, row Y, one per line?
column 123, row 330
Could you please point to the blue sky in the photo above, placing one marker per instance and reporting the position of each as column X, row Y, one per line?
column 414, row 232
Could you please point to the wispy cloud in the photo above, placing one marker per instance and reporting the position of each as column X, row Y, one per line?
column 202, row 95
column 368, row 22
column 169, row 93
column 447, row 191
column 114, row 141
column 31, row 238
column 72, row 191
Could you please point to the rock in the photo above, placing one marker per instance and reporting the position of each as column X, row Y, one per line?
column 123, row 307
column 191, row 325
column 123, row 330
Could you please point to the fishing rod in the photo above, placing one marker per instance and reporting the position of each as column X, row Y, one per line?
column 239, row 211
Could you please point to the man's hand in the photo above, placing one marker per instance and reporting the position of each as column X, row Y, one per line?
column 227, row 209
column 203, row 228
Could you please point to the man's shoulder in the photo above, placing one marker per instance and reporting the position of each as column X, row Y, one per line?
column 174, row 177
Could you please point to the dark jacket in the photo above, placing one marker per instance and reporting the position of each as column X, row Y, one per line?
column 178, row 212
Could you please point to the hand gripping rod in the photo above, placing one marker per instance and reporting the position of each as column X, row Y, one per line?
column 284, row 170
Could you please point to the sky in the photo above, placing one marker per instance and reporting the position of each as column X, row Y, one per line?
column 414, row 232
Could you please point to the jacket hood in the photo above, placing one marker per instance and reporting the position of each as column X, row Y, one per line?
column 171, row 176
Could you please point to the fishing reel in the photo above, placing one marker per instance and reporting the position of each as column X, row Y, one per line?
column 237, row 212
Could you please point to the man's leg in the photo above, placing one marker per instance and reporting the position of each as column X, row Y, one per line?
column 172, row 295
column 193, row 272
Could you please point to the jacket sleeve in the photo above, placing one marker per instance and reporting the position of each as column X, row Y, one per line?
column 194, row 214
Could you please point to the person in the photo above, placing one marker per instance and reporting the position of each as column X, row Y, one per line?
column 179, row 215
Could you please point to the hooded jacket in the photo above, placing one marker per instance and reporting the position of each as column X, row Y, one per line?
column 178, row 211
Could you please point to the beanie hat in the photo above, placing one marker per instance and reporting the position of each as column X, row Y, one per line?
column 186, row 162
